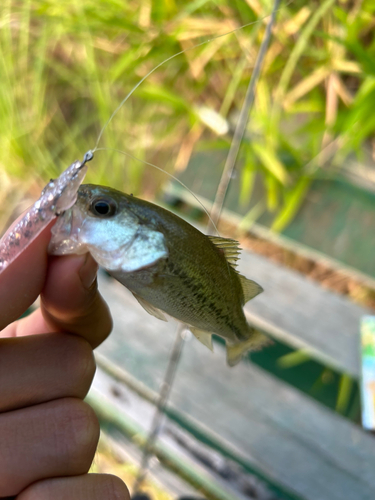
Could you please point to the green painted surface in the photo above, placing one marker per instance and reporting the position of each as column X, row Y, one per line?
column 336, row 218
column 339, row 220
column 310, row 377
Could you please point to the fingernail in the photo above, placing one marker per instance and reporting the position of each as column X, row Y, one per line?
column 88, row 271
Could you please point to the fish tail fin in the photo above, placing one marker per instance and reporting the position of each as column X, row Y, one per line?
column 255, row 342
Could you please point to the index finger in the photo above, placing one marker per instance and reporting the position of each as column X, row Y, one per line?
column 22, row 281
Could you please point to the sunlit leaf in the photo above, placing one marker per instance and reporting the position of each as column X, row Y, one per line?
column 345, row 390
column 270, row 162
column 293, row 201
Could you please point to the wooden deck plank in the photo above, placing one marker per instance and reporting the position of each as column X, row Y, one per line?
column 301, row 313
column 286, row 435
column 106, row 393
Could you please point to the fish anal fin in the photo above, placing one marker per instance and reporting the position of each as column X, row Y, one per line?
column 203, row 336
column 229, row 247
column 150, row 308
column 237, row 350
column 250, row 288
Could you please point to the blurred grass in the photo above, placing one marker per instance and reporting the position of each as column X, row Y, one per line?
column 339, row 391
column 66, row 66
column 108, row 462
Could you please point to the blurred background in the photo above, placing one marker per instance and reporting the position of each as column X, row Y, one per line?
column 303, row 191
column 65, row 68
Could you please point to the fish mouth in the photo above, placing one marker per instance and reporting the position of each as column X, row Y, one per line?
column 64, row 234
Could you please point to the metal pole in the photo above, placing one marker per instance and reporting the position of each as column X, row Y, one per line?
column 175, row 356
column 241, row 124
column 164, row 393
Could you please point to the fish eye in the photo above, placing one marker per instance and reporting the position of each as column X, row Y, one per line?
column 103, row 207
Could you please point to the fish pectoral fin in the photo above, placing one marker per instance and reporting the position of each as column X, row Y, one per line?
column 250, row 289
column 203, row 336
column 150, row 308
column 237, row 350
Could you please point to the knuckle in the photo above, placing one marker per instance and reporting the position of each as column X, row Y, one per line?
column 81, row 362
column 79, row 432
column 92, row 486
column 53, row 439
column 115, row 488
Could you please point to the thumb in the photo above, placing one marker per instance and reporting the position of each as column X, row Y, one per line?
column 70, row 300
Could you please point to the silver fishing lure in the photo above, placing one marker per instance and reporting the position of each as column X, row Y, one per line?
column 58, row 195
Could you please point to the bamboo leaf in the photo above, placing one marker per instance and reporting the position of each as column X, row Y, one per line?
column 248, row 174
column 291, row 205
column 270, row 162
column 251, row 216
column 293, row 359
column 295, row 55
column 345, row 390
column 272, row 190
column 307, row 84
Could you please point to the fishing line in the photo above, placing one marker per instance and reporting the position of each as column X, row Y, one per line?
column 125, row 153
column 90, row 153
column 169, row 59
column 157, row 421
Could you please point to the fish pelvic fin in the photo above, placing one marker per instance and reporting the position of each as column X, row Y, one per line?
column 235, row 351
column 250, row 288
column 203, row 336
column 150, row 308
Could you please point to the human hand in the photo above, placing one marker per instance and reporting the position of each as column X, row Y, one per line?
column 48, row 435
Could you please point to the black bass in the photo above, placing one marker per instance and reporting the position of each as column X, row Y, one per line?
column 166, row 263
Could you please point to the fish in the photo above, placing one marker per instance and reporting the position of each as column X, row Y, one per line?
column 56, row 197
column 169, row 266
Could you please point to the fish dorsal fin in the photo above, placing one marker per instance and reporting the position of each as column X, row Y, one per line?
column 231, row 251
column 230, row 248
column 250, row 288
column 149, row 308
column 202, row 336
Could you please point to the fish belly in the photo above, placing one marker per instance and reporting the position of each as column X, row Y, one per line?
column 192, row 308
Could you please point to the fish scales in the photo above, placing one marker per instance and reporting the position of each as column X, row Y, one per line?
column 194, row 283
column 169, row 265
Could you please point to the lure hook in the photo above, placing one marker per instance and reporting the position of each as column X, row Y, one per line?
column 87, row 157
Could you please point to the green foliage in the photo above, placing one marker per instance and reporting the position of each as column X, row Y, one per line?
column 66, row 66
column 344, row 402
column 336, row 390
